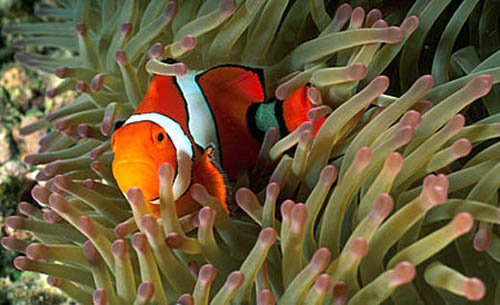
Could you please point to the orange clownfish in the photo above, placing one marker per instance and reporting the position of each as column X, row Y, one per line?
column 216, row 117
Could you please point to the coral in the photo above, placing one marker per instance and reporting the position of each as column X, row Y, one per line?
column 380, row 205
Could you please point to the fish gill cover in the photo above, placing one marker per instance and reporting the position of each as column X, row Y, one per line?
column 395, row 200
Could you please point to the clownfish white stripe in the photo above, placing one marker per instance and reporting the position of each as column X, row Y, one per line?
column 179, row 138
column 201, row 121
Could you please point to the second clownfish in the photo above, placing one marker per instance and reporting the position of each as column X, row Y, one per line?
column 217, row 117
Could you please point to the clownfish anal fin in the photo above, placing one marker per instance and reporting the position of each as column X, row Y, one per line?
column 209, row 173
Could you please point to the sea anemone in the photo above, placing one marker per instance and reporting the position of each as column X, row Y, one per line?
column 380, row 203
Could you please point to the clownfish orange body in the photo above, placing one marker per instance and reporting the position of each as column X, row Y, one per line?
column 216, row 117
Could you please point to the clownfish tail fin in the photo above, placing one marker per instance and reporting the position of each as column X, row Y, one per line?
column 286, row 115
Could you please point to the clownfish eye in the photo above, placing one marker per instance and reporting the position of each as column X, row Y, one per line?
column 160, row 137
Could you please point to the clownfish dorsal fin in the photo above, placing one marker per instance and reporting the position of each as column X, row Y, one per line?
column 243, row 81
column 208, row 172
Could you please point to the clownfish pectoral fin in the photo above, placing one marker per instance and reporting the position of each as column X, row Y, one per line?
column 295, row 109
column 208, row 172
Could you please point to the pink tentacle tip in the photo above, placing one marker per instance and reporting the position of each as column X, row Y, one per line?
column 382, row 205
column 121, row 57
column 14, row 222
column 58, row 203
column 359, row 247
column 167, row 172
column 107, row 126
column 186, row 299
column 22, row 263
column 272, row 190
column 404, row 134
column 84, row 130
column 40, row 194
column 357, row 16
column 119, row 249
column 323, row 284
column 28, row 209
column 328, row 174
column 305, row 138
column 31, row 159
column 410, row 24
column 157, row 50
column 474, row 289
column 404, row 272
column 481, row 84
column 380, row 83
column 411, row 118
column 343, row 13
column 314, row 95
column 207, row 274
column 266, row 297
column 394, row 162
column 87, row 225
column 426, row 81
column 482, row 239
column 145, row 292
column 179, row 69
column 455, row 123
column 97, row 82
column 462, row 147
column 170, row 11
column 149, row 224
column 299, row 215
column 174, row 240
column 125, row 28
column 379, row 24
column 188, row 42
column 462, row 223
column 9, row 243
column 62, row 182
column 395, row 34
column 81, row 29
column 228, row 7
column 340, row 293
column 194, row 267
column 206, row 217
column 123, row 229
column 90, row 252
column 100, row 297
column 81, row 87
column 357, row 71
column 245, row 198
column 267, row 237
column 321, row 258
column 286, row 209
column 199, row 193
column 140, row 242
column 134, row 195
column 36, row 251
column 235, row 279
column 363, row 157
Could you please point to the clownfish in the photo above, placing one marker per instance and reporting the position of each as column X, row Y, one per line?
column 216, row 117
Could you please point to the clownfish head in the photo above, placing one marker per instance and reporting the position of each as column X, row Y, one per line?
column 139, row 151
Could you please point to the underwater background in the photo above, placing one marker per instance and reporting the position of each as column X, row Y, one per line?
column 394, row 202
